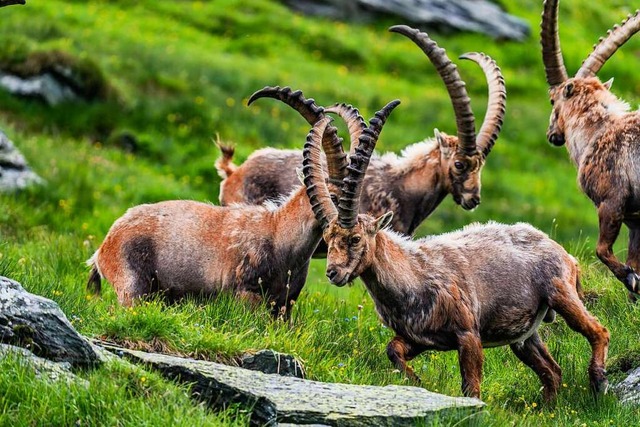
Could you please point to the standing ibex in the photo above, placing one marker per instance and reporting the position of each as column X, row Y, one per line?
column 602, row 137
column 411, row 185
column 185, row 247
column 486, row 285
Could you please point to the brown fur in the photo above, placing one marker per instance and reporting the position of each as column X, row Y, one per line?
column 179, row 248
column 411, row 185
column 484, row 286
column 603, row 140
column 224, row 164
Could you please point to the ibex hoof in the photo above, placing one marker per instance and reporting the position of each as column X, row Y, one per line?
column 632, row 282
column 600, row 387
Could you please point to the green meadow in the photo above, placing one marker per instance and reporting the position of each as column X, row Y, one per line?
column 175, row 75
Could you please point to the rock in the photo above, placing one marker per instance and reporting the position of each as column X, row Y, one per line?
column 272, row 362
column 38, row 324
column 628, row 390
column 53, row 371
column 479, row 16
column 45, row 87
column 274, row 399
column 15, row 174
column 55, row 77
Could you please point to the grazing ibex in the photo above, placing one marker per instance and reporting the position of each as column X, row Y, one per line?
column 483, row 286
column 182, row 247
column 602, row 137
column 411, row 185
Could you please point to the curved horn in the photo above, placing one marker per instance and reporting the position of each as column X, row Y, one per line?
column 314, row 178
column 607, row 46
column 455, row 86
column 4, row 3
column 551, row 52
column 380, row 118
column 355, row 122
column 295, row 99
column 496, row 105
column 332, row 145
column 349, row 204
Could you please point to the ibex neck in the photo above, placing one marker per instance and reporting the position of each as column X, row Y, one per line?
column 588, row 120
column 392, row 271
column 414, row 183
column 295, row 225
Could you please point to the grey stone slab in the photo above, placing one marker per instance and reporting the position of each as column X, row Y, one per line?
column 274, row 399
column 37, row 324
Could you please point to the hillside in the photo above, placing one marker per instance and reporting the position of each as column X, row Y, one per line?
column 177, row 74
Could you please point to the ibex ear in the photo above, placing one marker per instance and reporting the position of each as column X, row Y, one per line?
column 383, row 220
column 445, row 148
column 300, row 175
column 568, row 90
column 608, row 83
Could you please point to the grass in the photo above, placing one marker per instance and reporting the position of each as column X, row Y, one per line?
column 179, row 72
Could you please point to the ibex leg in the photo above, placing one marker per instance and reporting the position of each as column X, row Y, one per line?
column 633, row 256
column 533, row 353
column 471, row 358
column 569, row 306
column 400, row 351
column 610, row 222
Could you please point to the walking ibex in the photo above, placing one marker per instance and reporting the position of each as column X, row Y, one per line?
column 411, row 185
column 185, row 247
column 602, row 137
column 483, row 286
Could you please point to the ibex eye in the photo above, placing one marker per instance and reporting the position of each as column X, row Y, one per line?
column 459, row 165
column 355, row 240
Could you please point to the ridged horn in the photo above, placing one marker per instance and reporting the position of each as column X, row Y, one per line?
column 379, row 119
column 349, row 203
column 607, row 46
column 331, row 143
column 4, row 3
column 496, row 105
column 314, row 178
column 455, row 86
column 355, row 122
column 551, row 51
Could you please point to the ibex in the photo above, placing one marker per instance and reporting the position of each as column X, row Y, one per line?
column 411, row 185
column 483, row 286
column 602, row 137
column 181, row 247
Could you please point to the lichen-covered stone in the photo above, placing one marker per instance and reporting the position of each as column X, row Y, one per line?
column 15, row 174
column 628, row 390
column 274, row 399
column 37, row 324
column 53, row 371
column 479, row 16
column 272, row 362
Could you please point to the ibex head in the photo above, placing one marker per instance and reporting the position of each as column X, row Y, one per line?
column 464, row 155
column 565, row 92
column 350, row 237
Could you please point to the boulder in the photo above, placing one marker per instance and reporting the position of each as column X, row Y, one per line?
column 37, row 324
column 628, row 390
column 15, row 173
column 479, row 16
column 46, row 87
column 272, row 362
column 275, row 399
column 53, row 371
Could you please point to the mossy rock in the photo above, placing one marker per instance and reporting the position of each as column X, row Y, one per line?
column 82, row 75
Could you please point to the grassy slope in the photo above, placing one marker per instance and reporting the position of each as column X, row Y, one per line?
column 183, row 71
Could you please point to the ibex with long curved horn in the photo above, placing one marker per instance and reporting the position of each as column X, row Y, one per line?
column 181, row 247
column 484, row 286
column 602, row 137
column 411, row 185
